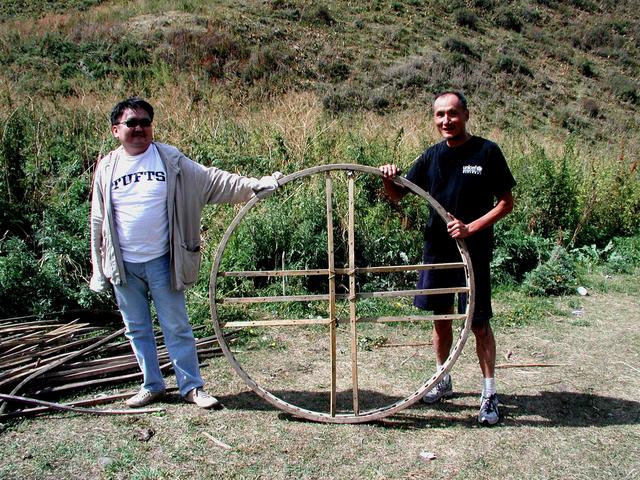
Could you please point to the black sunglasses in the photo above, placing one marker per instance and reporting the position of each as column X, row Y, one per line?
column 134, row 122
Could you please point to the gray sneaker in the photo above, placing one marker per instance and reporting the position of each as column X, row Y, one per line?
column 443, row 389
column 489, row 410
column 144, row 397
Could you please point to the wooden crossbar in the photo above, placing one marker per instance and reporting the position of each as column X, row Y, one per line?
column 343, row 271
column 344, row 296
column 345, row 320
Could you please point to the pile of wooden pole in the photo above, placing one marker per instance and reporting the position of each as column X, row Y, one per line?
column 47, row 357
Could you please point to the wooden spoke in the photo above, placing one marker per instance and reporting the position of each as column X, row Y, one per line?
column 332, row 295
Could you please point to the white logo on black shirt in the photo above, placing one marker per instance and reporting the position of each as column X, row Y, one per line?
column 472, row 169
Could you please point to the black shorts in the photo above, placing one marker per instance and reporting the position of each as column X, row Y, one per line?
column 440, row 304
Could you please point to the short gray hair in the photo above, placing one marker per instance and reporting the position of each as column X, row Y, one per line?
column 457, row 93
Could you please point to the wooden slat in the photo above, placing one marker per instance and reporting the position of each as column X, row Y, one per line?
column 275, row 323
column 340, row 321
column 412, row 293
column 332, row 296
column 406, row 268
column 343, row 271
column 407, row 318
column 284, row 298
column 344, row 296
column 275, row 273
column 352, row 294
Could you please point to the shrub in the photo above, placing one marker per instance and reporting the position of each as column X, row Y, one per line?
column 587, row 69
column 378, row 101
column 334, row 69
column 466, row 18
column 128, row 53
column 548, row 194
column 624, row 254
column 586, row 5
column 531, row 15
column 598, row 36
column 556, row 276
column 508, row 64
column 484, row 4
column 409, row 73
column 211, row 50
column 344, row 98
column 454, row 45
column 507, row 18
column 516, row 253
column 625, row 89
column 266, row 62
column 320, row 15
column 590, row 107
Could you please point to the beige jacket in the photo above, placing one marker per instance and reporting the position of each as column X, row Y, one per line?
column 190, row 186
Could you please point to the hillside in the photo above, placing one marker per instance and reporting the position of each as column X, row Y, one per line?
column 541, row 64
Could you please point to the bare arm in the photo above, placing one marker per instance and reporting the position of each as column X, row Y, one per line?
column 458, row 229
column 395, row 191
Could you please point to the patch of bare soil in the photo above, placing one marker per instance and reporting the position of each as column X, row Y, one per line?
column 577, row 417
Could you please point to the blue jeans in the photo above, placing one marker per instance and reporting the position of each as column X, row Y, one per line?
column 153, row 277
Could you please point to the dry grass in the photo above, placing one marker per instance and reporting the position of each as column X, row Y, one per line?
column 573, row 422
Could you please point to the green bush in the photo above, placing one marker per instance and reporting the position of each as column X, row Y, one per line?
column 625, row 89
column 555, row 276
column 549, row 204
column 455, row 45
column 269, row 62
column 466, row 18
column 334, row 69
column 587, row 69
column 319, row 15
column 508, row 19
column 512, row 65
column 516, row 253
column 343, row 98
column 624, row 255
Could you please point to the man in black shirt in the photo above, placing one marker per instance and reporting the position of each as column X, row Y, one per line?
column 469, row 177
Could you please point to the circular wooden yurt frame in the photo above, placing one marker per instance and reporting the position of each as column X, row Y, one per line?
column 332, row 416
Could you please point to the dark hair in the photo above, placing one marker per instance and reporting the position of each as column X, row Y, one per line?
column 132, row 103
column 458, row 94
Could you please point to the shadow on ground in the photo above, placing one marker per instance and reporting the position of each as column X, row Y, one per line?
column 572, row 409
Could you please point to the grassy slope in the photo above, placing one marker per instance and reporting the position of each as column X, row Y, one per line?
column 571, row 65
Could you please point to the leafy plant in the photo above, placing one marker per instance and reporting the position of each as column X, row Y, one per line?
column 507, row 18
column 466, row 18
column 555, row 276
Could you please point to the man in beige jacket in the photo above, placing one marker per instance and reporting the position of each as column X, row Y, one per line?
column 145, row 242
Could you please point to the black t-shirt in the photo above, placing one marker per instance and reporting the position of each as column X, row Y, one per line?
column 466, row 181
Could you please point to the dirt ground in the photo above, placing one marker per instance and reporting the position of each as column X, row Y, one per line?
column 579, row 418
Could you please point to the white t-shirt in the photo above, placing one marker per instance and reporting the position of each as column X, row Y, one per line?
column 139, row 195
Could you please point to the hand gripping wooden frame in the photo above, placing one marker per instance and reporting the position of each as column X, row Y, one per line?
column 355, row 415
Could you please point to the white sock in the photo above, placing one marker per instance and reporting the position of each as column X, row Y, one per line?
column 488, row 387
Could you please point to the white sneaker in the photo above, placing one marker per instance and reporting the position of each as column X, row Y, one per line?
column 144, row 397
column 202, row 399
column 489, row 410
